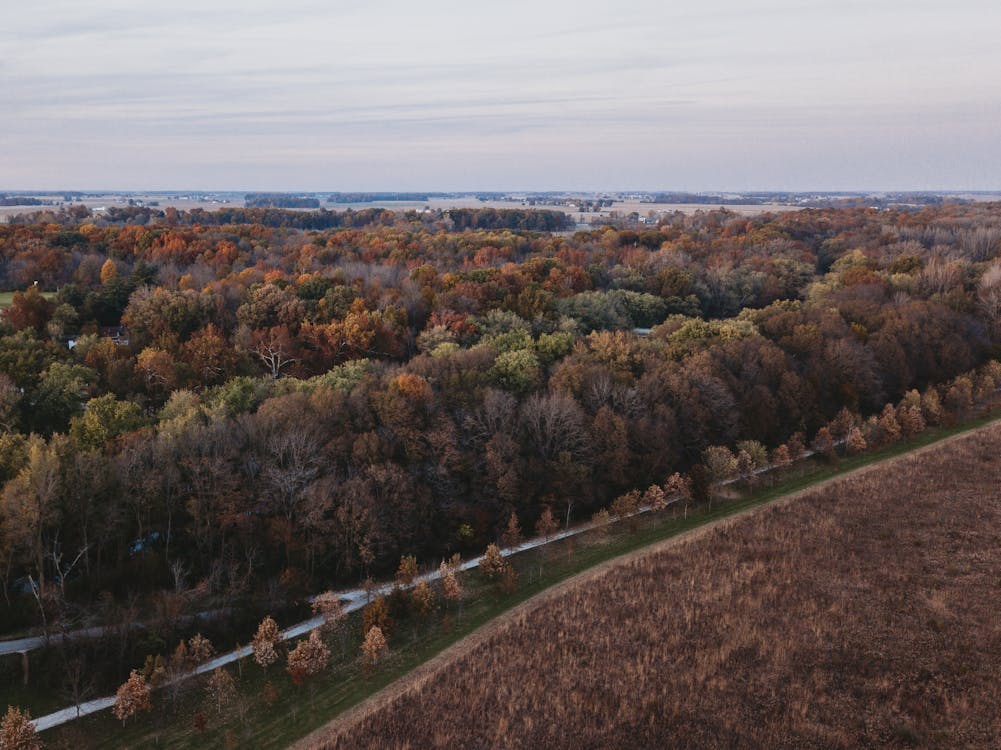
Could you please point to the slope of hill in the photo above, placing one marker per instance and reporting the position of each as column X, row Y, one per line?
column 862, row 614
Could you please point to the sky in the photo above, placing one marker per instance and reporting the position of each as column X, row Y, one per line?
column 446, row 95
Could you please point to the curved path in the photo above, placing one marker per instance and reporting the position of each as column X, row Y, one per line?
column 352, row 599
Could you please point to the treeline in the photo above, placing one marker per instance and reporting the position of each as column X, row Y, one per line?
column 280, row 200
column 532, row 220
column 21, row 200
column 272, row 212
column 371, row 197
column 243, row 407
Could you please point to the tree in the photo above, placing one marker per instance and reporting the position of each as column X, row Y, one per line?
column 29, row 507
column 308, row 658
column 797, row 446
column 200, row 649
column 679, row 489
column 10, row 396
column 931, row 406
column 626, row 506
column 780, row 457
column 959, row 397
column 855, row 441
column 132, row 697
column 104, row 419
column 888, row 425
column 374, row 645
column 29, row 309
column 492, row 562
column 328, row 606
column 79, row 680
column 154, row 670
column 654, row 498
column 220, row 690
column 601, row 520
column 109, row 271
column 159, row 370
column 265, row 643
column 844, row 421
column 823, row 443
column 911, row 421
column 512, row 533
column 450, row 584
column 989, row 295
column 517, row 371
column 757, row 452
column 554, row 424
column 422, row 599
column 546, row 524
column 745, row 466
column 407, row 571
column 17, row 732
column 210, row 356
column 720, row 464
column 159, row 316
column 509, row 578
column 59, row 395
column 274, row 347
column 376, row 613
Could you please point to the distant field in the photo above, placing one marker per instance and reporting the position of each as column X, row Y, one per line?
column 622, row 207
column 863, row 614
column 7, row 297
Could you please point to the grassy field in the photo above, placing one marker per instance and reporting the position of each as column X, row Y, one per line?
column 7, row 297
column 294, row 712
column 864, row 614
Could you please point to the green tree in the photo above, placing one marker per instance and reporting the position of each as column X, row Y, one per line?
column 517, row 371
column 60, row 395
column 104, row 419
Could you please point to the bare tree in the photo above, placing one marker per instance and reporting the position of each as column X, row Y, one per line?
column 554, row 424
column 273, row 348
column 980, row 243
column 989, row 295
column 79, row 681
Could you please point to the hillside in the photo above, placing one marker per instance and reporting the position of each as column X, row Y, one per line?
column 858, row 614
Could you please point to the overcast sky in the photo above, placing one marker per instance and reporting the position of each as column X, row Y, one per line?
column 512, row 94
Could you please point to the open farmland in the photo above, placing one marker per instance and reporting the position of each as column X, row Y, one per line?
column 859, row 614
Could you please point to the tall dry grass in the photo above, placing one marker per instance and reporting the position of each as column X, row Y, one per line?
column 867, row 614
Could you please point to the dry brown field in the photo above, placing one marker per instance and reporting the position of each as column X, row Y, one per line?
column 863, row 613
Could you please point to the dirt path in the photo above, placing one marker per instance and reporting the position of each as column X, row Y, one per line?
column 427, row 671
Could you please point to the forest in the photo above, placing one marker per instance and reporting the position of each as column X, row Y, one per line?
column 256, row 403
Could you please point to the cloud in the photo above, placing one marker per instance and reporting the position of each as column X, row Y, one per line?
column 548, row 92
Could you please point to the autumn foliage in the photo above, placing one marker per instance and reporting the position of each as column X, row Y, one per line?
column 239, row 409
column 133, row 697
column 266, row 642
column 308, row 658
column 17, row 732
column 374, row 644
